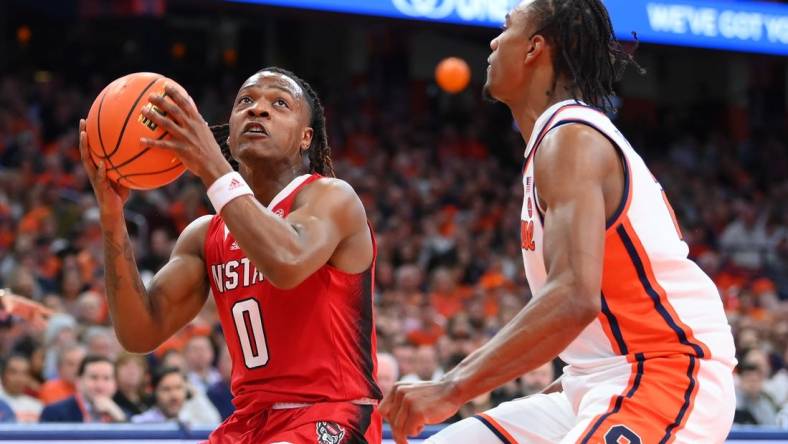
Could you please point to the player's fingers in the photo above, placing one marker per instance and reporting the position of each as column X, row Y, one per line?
column 87, row 160
column 36, row 309
column 101, row 172
column 170, row 145
column 120, row 190
column 385, row 406
column 414, row 424
column 400, row 407
column 183, row 101
column 401, row 418
column 399, row 435
column 45, row 312
column 102, row 180
column 9, row 302
column 168, row 106
column 164, row 122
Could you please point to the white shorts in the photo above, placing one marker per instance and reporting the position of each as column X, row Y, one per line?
column 677, row 399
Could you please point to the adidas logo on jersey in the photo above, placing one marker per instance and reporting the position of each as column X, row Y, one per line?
column 234, row 246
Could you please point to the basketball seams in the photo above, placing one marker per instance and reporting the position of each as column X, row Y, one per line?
column 129, row 183
column 98, row 127
column 152, row 173
column 136, row 156
column 131, row 111
column 108, row 156
column 126, row 154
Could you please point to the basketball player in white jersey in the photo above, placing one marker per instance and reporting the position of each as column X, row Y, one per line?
column 642, row 328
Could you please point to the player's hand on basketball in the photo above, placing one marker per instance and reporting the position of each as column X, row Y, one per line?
column 190, row 138
column 110, row 195
column 411, row 405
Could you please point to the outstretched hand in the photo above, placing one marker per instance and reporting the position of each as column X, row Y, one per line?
column 191, row 140
column 24, row 308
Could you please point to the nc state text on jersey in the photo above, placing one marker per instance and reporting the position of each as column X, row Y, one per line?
column 229, row 275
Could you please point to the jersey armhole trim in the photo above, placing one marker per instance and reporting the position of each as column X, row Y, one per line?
column 209, row 232
column 626, row 194
column 371, row 267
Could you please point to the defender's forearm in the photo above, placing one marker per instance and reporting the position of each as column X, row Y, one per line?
column 535, row 336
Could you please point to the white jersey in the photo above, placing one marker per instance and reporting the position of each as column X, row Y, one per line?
column 655, row 301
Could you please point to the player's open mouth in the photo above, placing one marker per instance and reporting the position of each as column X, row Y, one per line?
column 254, row 129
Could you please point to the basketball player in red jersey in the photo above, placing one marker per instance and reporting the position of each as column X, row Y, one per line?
column 289, row 258
column 641, row 327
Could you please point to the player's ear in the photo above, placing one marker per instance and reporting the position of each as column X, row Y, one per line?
column 535, row 47
column 306, row 138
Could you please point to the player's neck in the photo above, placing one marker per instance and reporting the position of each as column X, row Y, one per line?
column 267, row 181
column 532, row 105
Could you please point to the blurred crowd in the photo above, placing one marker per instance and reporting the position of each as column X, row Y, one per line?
column 444, row 197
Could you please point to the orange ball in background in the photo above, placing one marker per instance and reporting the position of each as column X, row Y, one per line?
column 115, row 125
column 452, row 74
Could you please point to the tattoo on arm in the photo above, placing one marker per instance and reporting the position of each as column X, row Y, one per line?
column 115, row 268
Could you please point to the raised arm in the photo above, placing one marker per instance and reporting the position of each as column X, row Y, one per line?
column 572, row 166
column 144, row 318
column 328, row 226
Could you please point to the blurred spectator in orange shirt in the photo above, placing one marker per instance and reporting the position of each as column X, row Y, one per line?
column 448, row 297
column 68, row 361
column 429, row 327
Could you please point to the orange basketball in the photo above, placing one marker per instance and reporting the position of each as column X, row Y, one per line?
column 452, row 74
column 115, row 125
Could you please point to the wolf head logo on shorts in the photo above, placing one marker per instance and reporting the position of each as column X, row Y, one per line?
column 329, row 432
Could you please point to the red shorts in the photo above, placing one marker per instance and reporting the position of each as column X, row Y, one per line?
column 324, row 423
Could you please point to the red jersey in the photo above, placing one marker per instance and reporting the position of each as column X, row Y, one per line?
column 313, row 343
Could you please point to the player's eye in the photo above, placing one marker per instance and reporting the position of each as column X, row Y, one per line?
column 281, row 102
column 245, row 99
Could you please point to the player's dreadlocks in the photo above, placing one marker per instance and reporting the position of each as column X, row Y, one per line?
column 319, row 151
column 221, row 133
column 586, row 51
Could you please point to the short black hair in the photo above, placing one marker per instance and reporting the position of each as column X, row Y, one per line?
column 319, row 150
column 586, row 50
column 162, row 373
column 92, row 359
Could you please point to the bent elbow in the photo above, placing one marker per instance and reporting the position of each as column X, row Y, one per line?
column 283, row 284
column 284, row 271
column 585, row 308
column 133, row 343
column 285, row 277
